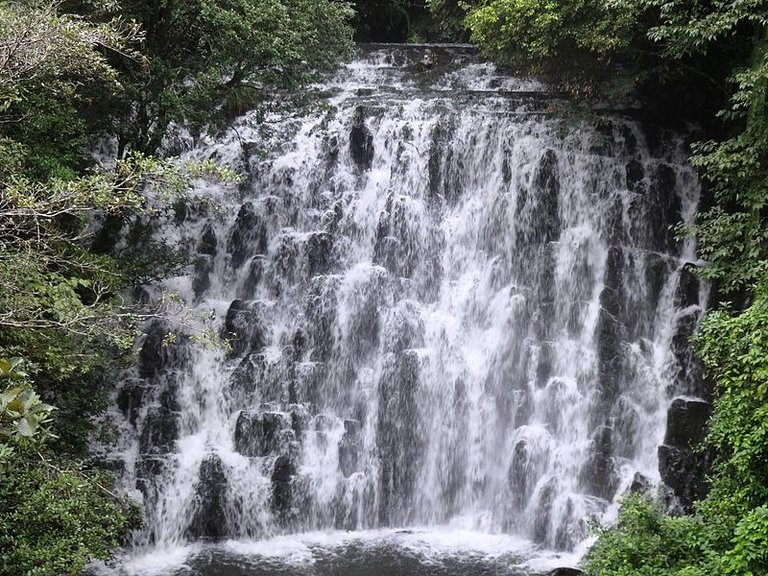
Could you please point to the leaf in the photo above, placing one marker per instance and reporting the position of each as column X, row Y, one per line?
column 25, row 428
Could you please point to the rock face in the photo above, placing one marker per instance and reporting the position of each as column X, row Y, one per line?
column 248, row 236
column 361, row 141
column 242, row 327
column 209, row 521
column 681, row 467
column 443, row 303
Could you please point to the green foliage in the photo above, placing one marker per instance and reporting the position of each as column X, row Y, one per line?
column 728, row 534
column 62, row 77
column 550, row 36
column 647, row 542
column 24, row 418
column 56, row 518
column 211, row 59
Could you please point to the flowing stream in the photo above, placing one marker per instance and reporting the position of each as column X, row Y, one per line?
column 457, row 319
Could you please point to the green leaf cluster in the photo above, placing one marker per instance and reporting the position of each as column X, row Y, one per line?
column 57, row 518
column 72, row 73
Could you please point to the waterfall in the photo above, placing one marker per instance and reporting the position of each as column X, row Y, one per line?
column 448, row 304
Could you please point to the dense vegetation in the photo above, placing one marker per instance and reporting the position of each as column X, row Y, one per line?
column 686, row 60
column 80, row 70
column 72, row 73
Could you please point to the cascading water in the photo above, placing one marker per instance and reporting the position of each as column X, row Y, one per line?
column 447, row 306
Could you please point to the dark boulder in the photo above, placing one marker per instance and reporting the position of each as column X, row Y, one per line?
column 400, row 446
column 635, row 174
column 159, row 431
column 248, row 236
column 208, row 243
column 684, row 473
column 687, row 422
column 209, row 519
column 249, row 434
column 254, row 276
column 541, row 523
column 201, row 279
column 662, row 210
column 262, row 434
column 519, row 476
column 242, row 327
column 538, row 216
column 598, row 475
column 318, row 252
column 361, row 141
column 565, row 571
column 641, row 484
column 350, row 447
column 152, row 355
column 688, row 287
column 282, row 485
column 130, row 398
column 163, row 350
column 146, row 471
column 681, row 466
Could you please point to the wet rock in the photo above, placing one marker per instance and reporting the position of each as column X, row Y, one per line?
column 208, row 241
column 277, row 432
column 544, row 504
column 688, row 288
column 690, row 372
column 538, row 208
column 598, row 474
column 152, row 355
column 446, row 170
column 565, row 571
column 641, row 484
column 635, row 174
column 209, row 519
column 262, row 434
column 146, row 470
column 249, row 434
column 254, row 276
column 609, row 355
column 159, row 431
column 364, row 325
column 361, row 141
column 350, row 447
column 282, row 485
column 318, row 252
column 684, row 473
column 519, row 475
column 321, row 313
column 201, row 279
column 248, row 236
column 681, row 467
column 404, row 327
column 626, row 423
column 396, row 247
column 163, row 350
column 130, row 398
column 400, row 445
column 310, row 377
column 609, row 327
column 545, row 362
column 657, row 270
column 687, row 422
column 662, row 210
column 242, row 327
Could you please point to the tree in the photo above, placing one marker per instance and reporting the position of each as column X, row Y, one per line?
column 209, row 60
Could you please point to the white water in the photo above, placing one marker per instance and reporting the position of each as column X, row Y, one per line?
column 469, row 331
